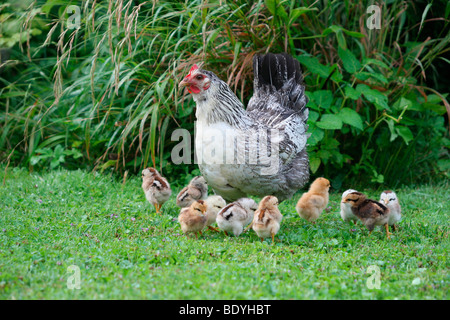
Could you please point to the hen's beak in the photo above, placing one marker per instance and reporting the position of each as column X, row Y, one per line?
column 184, row 83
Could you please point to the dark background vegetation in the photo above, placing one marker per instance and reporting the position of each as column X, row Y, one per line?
column 105, row 97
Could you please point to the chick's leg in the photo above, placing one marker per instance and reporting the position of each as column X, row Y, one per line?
column 212, row 228
column 387, row 231
column 248, row 227
column 226, row 233
column 393, row 228
column 273, row 235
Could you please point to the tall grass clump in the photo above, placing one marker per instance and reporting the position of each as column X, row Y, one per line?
column 105, row 96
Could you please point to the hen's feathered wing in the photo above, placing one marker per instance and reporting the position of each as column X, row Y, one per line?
column 279, row 102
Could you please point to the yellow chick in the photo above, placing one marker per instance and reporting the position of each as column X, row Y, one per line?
column 370, row 212
column 214, row 204
column 312, row 203
column 267, row 218
column 197, row 189
column 156, row 188
column 193, row 218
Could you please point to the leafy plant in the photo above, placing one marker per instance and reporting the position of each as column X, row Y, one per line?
column 378, row 98
column 55, row 157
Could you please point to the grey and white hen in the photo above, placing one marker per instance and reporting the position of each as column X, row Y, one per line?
column 258, row 151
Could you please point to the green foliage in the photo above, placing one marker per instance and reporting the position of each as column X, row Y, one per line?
column 56, row 157
column 378, row 98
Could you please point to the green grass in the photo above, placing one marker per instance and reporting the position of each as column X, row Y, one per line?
column 50, row 221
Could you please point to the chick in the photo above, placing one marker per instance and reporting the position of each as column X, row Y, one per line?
column 236, row 215
column 214, row 204
column 196, row 189
column 346, row 209
column 156, row 188
column 312, row 203
column 193, row 218
column 370, row 212
column 390, row 199
column 267, row 218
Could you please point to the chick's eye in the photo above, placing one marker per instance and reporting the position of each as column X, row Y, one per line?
column 392, row 199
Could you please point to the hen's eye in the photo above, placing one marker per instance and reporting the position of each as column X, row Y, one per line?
column 199, row 77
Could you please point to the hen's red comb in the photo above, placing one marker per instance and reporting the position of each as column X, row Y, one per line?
column 194, row 67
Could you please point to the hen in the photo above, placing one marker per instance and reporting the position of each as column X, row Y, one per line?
column 256, row 151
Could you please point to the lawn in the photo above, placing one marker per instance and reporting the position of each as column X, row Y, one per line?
column 50, row 221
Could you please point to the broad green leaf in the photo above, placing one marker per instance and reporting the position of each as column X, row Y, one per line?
column 351, row 64
column 329, row 122
column 438, row 108
column 316, row 135
column 314, row 66
column 314, row 164
column 379, row 63
column 444, row 164
column 405, row 133
column 401, row 103
column 376, row 97
column 324, row 155
column 323, row 98
column 313, row 116
column 339, row 35
column 391, row 127
column 366, row 75
column 351, row 117
column 352, row 93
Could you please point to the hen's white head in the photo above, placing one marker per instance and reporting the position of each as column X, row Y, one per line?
column 197, row 81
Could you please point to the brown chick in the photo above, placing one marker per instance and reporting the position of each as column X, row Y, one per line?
column 193, row 218
column 370, row 212
column 156, row 188
column 196, row 189
column 312, row 203
column 267, row 218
